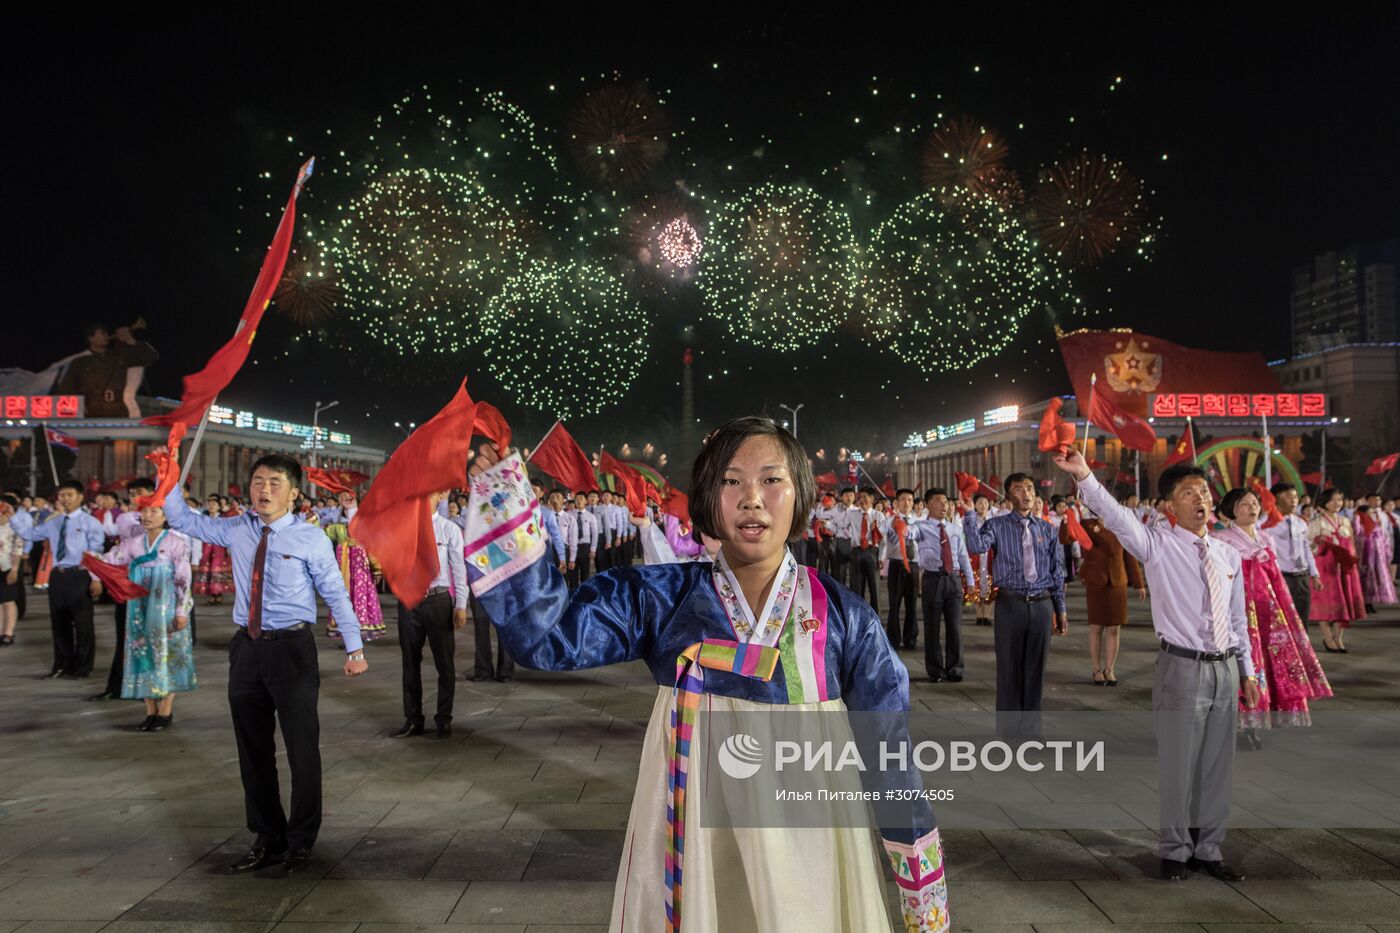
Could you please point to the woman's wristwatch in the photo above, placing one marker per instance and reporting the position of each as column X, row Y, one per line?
column 356, row 656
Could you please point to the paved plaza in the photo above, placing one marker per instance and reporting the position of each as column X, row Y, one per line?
column 515, row 824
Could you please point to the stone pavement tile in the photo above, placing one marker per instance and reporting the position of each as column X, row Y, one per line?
column 61, row 767
column 185, row 926
column 535, row 902
column 559, row 751
column 387, row 901
column 605, row 791
column 434, row 928
column 968, row 856
column 17, row 839
column 64, row 926
column 162, row 853
column 962, row 815
column 567, row 928
column 1287, row 928
column 1126, row 853
column 486, row 855
column 1390, row 884
column 444, row 791
column 569, row 816
column 61, row 899
column 57, row 811
column 1329, row 813
column 1165, row 927
column 92, row 787
column 476, row 769
column 432, row 815
column 347, row 926
column 1046, row 855
column 1323, row 901
column 606, row 770
column 1071, row 816
column 536, row 791
column 241, row 898
column 1382, row 843
column 1196, row 900
column 1326, row 855
column 577, row 855
column 392, row 853
column 181, row 811
column 356, row 813
column 973, row 903
column 7, row 926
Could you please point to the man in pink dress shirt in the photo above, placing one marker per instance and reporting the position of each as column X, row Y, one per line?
column 1198, row 614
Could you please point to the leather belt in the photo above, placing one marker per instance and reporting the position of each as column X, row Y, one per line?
column 1024, row 597
column 272, row 634
column 1295, row 573
column 1169, row 648
column 440, row 590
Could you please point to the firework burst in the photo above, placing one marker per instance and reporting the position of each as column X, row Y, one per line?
column 308, row 291
column 1087, row 207
column 617, row 133
column 963, row 154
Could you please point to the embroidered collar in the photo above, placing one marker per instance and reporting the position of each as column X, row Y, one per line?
column 775, row 610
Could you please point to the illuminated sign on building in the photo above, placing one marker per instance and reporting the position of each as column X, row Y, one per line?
column 1007, row 414
column 246, row 419
column 915, row 440
column 946, row 431
column 1238, row 405
column 43, row 407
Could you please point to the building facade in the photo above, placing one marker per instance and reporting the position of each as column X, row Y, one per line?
column 1347, row 296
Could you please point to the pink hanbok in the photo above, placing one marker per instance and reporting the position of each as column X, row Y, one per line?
column 1284, row 661
column 1340, row 600
column 1375, row 545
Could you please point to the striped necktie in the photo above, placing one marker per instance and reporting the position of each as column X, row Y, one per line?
column 1219, row 602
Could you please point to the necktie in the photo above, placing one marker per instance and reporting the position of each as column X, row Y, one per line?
column 255, row 593
column 947, row 548
column 864, row 530
column 899, row 528
column 1219, row 605
column 1028, row 552
column 62, row 540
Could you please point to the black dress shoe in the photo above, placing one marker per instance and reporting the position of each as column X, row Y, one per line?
column 410, row 728
column 504, row 679
column 479, row 677
column 51, row 675
column 159, row 724
column 297, row 859
column 257, row 857
column 1217, row 870
column 102, row 697
column 935, row 678
column 1172, row 870
column 146, row 726
column 954, row 678
column 444, row 728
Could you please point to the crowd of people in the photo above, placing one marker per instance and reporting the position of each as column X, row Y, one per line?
column 1232, row 584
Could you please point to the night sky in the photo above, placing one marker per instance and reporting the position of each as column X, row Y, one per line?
column 129, row 150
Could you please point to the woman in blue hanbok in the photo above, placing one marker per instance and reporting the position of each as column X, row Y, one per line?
column 159, row 655
column 753, row 631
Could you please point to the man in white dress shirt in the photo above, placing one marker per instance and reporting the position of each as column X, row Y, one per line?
column 435, row 621
column 1198, row 614
column 1295, row 556
column 587, row 529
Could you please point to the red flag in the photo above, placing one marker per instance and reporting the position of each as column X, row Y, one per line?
column 1125, row 478
column 1185, row 450
column 561, row 457
column 1134, row 432
column 114, row 579
column 1383, row 464
column 969, row 486
column 1311, row 479
column 1096, row 464
column 1055, row 432
column 887, row 487
column 677, row 503
column 826, row 480
column 1076, row 529
column 631, row 481
column 167, row 467
column 204, row 386
column 1132, row 366
column 336, row 481
column 394, row 522
column 1268, row 503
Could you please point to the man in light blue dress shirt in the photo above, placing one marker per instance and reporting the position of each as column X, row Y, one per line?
column 279, row 565
column 947, row 573
column 69, row 532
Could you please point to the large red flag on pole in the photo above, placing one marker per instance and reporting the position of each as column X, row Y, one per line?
column 203, row 387
column 1134, row 432
column 561, row 457
column 1055, row 432
column 394, row 522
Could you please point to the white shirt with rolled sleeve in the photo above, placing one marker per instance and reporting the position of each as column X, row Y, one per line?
column 1292, row 547
column 568, row 530
column 1171, row 559
column 452, row 563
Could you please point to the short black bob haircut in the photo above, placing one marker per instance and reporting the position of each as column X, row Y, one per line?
column 280, row 464
column 1174, row 476
column 719, row 451
column 1231, row 501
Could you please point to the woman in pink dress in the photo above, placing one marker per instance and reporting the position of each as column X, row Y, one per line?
column 1284, row 661
column 214, row 575
column 1374, row 543
column 1340, row 602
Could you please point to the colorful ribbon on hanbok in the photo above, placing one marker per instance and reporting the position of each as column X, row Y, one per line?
column 748, row 660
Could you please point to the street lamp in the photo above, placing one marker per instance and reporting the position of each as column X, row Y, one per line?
column 406, row 430
column 315, row 430
column 794, row 416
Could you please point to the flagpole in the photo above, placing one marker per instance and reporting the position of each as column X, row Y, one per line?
column 1322, row 465
column 1268, row 454
column 1191, row 439
column 1137, row 473
column 53, row 467
column 1093, row 386
column 542, row 440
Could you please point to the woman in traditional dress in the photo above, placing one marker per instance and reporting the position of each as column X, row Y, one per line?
column 11, row 563
column 361, row 573
column 1107, row 570
column 750, row 633
column 1340, row 601
column 1374, row 540
column 214, row 575
column 159, row 654
column 1284, row 661
column 984, row 600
